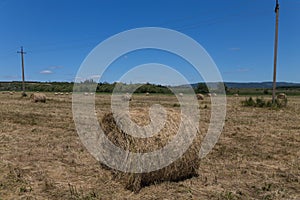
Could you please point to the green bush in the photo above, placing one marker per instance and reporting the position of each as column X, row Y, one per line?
column 266, row 91
column 248, row 102
column 261, row 103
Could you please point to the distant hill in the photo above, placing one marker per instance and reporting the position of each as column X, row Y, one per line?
column 258, row 85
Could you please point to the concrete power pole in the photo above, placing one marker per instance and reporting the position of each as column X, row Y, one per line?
column 23, row 74
column 275, row 52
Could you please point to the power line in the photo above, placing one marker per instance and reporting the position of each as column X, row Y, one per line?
column 63, row 48
column 8, row 53
column 188, row 18
column 217, row 21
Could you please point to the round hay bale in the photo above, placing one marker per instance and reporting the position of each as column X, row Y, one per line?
column 236, row 95
column 281, row 96
column 38, row 97
column 147, row 93
column 126, row 97
column 181, row 94
column 200, row 96
column 184, row 167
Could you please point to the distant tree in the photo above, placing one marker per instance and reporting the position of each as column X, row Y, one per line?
column 201, row 88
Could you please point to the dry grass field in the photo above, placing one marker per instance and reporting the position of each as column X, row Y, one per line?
column 42, row 157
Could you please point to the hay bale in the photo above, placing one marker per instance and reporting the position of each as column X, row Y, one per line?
column 200, row 96
column 126, row 97
column 281, row 96
column 38, row 97
column 56, row 93
column 147, row 93
column 181, row 94
column 236, row 95
column 184, row 167
column 11, row 93
column 209, row 94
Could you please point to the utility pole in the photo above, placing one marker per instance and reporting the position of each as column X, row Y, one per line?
column 275, row 52
column 23, row 74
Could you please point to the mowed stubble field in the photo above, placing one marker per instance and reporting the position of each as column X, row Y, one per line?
column 42, row 157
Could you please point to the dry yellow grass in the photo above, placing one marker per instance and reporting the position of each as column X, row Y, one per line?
column 256, row 157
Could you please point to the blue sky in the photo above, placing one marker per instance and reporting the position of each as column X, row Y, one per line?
column 238, row 34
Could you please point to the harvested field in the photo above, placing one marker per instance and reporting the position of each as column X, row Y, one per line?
column 42, row 157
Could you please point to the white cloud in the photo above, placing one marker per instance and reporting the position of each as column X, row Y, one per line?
column 95, row 76
column 84, row 78
column 46, row 72
column 153, row 73
column 78, row 79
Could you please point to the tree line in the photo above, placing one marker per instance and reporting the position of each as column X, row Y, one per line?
column 89, row 86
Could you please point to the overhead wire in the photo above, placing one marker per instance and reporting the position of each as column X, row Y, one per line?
column 72, row 44
column 218, row 20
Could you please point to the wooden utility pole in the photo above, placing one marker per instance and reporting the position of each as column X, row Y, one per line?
column 23, row 74
column 275, row 52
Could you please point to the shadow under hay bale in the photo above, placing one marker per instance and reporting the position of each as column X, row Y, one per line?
column 184, row 167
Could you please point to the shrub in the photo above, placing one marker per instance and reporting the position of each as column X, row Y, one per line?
column 261, row 103
column 265, row 91
column 248, row 102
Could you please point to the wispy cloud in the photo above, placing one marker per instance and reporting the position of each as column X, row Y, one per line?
column 234, row 49
column 46, row 72
column 55, row 67
column 96, row 76
column 78, row 79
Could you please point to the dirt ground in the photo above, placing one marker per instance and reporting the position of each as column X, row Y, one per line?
column 42, row 157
